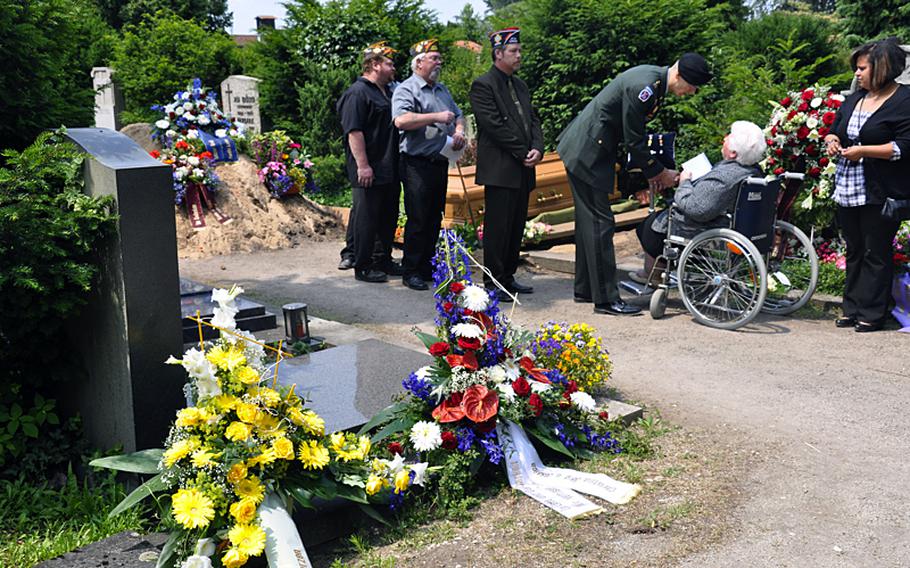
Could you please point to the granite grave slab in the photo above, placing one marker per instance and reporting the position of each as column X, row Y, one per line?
column 347, row 385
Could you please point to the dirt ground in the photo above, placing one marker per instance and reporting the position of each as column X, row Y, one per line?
column 798, row 431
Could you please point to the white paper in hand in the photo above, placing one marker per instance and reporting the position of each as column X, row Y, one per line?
column 452, row 154
column 699, row 166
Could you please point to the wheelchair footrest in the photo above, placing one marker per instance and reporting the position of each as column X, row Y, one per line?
column 635, row 288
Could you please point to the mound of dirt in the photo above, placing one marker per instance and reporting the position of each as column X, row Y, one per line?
column 258, row 222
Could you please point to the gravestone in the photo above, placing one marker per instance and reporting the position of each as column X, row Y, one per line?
column 108, row 99
column 131, row 323
column 240, row 99
column 347, row 385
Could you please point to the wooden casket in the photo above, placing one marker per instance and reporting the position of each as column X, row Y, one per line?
column 552, row 192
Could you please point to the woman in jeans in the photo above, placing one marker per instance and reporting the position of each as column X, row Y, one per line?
column 871, row 135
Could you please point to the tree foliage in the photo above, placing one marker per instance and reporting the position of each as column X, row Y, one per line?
column 211, row 14
column 868, row 19
column 574, row 47
column 160, row 55
column 49, row 49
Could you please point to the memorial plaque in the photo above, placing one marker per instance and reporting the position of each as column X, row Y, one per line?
column 240, row 99
column 108, row 100
column 347, row 385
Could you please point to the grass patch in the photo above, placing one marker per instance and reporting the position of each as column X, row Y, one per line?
column 663, row 518
column 38, row 522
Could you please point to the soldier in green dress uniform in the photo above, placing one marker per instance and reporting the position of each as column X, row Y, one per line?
column 589, row 147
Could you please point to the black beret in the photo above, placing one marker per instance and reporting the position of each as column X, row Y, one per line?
column 694, row 69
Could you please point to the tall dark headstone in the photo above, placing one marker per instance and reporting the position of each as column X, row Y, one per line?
column 132, row 322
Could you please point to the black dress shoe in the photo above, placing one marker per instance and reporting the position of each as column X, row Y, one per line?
column 846, row 321
column 866, row 326
column 582, row 300
column 504, row 297
column 391, row 268
column 371, row 275
column 346, row 264
column 414, row 282
column 617, row 308
column 518, row 288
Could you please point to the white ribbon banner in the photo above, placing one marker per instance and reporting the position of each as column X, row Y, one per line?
column 283, row 546
column 556, row 487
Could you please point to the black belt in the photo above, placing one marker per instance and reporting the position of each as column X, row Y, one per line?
column 432, row 160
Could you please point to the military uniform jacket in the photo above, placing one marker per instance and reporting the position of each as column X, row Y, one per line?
column 590, row 144
column 503, row 142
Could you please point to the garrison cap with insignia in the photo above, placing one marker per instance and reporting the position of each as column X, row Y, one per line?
column 504, row 37
column 694, row 69
column 379, row 48
column 425, row 46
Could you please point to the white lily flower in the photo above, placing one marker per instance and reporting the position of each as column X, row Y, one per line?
column 423, row 373
column 420, row 473
column 197, row 561
column 539, row 387
column 224, row 317
column 205, row 547
column 396, row 464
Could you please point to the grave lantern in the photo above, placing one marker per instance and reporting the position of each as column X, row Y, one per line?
column 296, row 322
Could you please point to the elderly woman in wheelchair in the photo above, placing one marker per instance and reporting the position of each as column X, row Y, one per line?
column 721, row 246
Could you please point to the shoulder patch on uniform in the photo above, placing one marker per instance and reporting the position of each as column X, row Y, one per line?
column 645, row 94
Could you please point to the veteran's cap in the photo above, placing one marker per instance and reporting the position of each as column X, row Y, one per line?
column 504, row 37
column 425, row 46
column 379, row 48
column 694, row 69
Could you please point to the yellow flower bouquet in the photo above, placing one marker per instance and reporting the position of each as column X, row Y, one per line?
column 243, row 439
column 575, row 351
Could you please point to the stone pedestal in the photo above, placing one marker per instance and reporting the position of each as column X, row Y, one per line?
column 240, row 99
column 132, row 321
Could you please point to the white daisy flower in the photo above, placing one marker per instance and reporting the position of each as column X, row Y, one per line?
column 426, row 436
column 469, row 330
column 475, row 298
column 583, row 401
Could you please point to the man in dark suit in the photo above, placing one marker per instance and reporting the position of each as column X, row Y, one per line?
column 589, row 147
column 509, row 145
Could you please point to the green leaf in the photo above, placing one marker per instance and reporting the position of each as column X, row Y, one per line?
column 426, row 338
column 382, row 416
column 150, row 487
column 30, row 429
column 326, row 489
column 551, row 442
column 145, row 461
column 354, row 494
column 400, row 425
column 168, row 556
column 302, row 496
column 369, row 511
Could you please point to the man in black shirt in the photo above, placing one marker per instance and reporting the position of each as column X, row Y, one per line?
column 371, row 149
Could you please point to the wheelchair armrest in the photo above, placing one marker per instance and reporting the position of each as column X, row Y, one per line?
column 793, row 175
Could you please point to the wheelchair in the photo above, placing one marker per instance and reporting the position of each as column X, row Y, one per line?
column 726, row 276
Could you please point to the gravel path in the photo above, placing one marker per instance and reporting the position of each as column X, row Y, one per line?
column 824, row 409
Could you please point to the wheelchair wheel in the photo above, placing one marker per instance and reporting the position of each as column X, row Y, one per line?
column 722, row 279
column 792, row 270
column 658, row 305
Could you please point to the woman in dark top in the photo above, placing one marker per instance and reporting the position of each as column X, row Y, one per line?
column 871, row 134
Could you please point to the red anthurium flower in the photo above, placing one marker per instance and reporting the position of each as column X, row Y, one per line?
column 456, row 287
column 449, row 410
column 395, row 448
column 469, row 343
column 468, row 361
column 536, row 404
column 532, row 371
column 486, row 427
column 480, row 403
column 449, row 440
column 521, row 386
column 439, row 349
